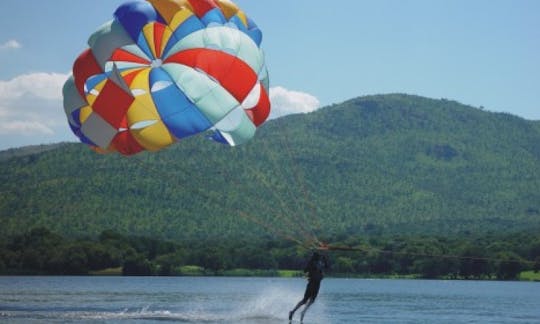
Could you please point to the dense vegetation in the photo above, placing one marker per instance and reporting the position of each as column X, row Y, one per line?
column 390, row 164
column 417, row 186
column 27, row 150
column 40, row 251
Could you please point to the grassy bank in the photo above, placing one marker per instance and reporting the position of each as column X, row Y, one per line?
column 529, row 276
column 107, row 272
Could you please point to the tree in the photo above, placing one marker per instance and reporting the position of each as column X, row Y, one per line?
column 138, row 265
column 382, row 264
column 100, row 257
column 254, row 258
column 168, row 264
column 509, row 266
column 3, row 267
column 428, row 268
column 32, row 260
column 75, row 261
column 343, row 265
column 473, row 263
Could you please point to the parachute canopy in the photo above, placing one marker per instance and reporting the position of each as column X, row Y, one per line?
column 163, row 70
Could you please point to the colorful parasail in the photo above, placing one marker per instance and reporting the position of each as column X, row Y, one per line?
column 164, row 70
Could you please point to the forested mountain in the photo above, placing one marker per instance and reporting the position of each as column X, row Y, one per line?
column 27, row 150
column 371, row 165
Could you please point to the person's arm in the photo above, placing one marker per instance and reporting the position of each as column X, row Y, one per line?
column 310, row 266
column 307, row 268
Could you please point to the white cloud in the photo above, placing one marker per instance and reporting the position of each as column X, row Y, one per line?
column 31, row 109
column 10, row 44
column 24, row 127
column 41, row 85
column 286, row 102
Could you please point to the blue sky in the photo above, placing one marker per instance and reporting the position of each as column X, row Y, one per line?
column 478, row 52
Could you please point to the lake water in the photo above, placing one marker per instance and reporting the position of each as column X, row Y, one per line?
column 262, row 300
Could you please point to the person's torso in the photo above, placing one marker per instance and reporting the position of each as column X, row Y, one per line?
column 316, row 271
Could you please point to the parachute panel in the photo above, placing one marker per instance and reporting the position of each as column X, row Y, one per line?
column 164, row 70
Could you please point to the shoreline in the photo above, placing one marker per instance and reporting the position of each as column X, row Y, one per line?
column 196, row 271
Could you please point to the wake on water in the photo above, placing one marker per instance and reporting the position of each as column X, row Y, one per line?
column 271, row 306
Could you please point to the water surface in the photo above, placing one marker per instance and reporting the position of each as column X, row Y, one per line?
column 262, row 300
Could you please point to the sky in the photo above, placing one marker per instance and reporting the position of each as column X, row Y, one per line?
column 484, row 53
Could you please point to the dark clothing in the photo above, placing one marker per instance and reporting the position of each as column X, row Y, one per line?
column 314, row 270
column 315, row 267
column 312, row 290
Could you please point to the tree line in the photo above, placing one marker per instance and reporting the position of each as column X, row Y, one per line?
column 41, row 251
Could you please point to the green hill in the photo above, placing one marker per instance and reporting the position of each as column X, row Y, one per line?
column 377, row 164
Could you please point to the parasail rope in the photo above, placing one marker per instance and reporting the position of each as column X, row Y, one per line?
column 292, row 224
column 300, row 180
column 306, row 242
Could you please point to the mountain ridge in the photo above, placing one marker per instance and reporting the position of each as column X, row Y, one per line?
column 375, row 164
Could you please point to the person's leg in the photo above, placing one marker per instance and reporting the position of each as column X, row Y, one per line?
column 313, row 292
column 307, row 295
column 300, row 303
column 309, row 303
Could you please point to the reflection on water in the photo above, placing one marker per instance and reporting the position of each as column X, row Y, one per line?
column 262, row 300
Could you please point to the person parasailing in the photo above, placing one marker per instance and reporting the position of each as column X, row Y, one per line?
column 315, row 273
